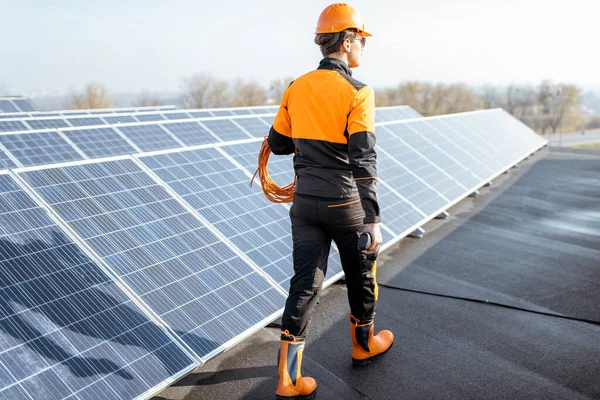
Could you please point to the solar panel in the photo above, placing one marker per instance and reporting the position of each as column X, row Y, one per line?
column 426, row 169
column 5, row 161
column 268, row 120
column 420, row 167
column 382, row 115
column 66, row 328
column 411, row 133
column 219, row 191
column 190, row 133
column 47, row 123
column 241, row 111
column 281, row 168
column 24, row 105
column 37, row 148
column 149, row 137
column 225, row 130
column 200, row 114
column 476, row 146
column 222, row 113
column 397, row 214
column 96, row 112
column 7, row 106
column 497, row 150
column 90, row 121
column 409, row 112
column 179, row 115
column 100, row 142
column 149, row 117
column 10, row 126
column 255, row 126
column 402, row 180
column 462, row 151
column 119, row 119
column 204, row 291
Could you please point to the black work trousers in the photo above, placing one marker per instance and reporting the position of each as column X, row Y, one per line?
column 316, row 222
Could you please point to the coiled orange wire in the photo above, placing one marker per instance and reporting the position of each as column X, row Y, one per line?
column 272, row 191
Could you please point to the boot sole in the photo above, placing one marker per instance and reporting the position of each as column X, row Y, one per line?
column 362, row 363
column 311, row 396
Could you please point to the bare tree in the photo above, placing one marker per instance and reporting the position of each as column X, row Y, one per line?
column 147, row 99
column 566, row 108
column 95, row 95
column 411, row 94
column 491, row 97
column 196, row 90
column 248, row 94
column 3, row 89
column 218, row 95
column 277, row 87
column 460, row 98
column 382, row 99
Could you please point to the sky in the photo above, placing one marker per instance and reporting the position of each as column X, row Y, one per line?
column 150, row 45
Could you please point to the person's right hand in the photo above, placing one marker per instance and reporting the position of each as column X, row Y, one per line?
column 376, row 238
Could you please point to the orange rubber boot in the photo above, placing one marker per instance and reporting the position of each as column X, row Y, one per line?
column 366, row 346
column 292, row 386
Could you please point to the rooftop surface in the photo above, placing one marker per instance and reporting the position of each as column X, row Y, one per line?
column 531, row 240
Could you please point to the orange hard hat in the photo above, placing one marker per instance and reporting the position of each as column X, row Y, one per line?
column 338, row 17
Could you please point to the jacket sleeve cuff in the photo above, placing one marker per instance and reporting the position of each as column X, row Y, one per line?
column 375, row 219
column 280, row 144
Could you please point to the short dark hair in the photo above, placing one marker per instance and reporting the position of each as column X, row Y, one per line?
column 330, row 42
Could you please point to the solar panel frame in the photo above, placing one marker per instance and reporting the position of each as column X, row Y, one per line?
column 69, row 218
column 76, row 317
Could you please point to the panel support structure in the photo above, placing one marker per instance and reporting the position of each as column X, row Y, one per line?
column 443, row 215
column 418, row 234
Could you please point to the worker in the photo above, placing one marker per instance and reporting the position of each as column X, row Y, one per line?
column 327, row 118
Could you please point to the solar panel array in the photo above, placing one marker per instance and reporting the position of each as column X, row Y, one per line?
column 73, row 118
column 40, row 147
column 15, row 105
column 194, row 257
column 63, row 119
column 94, row 111
column 67, row 329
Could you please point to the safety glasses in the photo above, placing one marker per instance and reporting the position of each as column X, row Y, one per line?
column 363, row 42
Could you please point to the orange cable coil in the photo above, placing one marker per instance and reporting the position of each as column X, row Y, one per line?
column 272, row 191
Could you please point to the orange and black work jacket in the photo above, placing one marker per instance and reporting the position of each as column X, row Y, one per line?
column 328, row 118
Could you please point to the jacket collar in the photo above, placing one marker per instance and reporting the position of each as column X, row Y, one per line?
column 335, row 65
